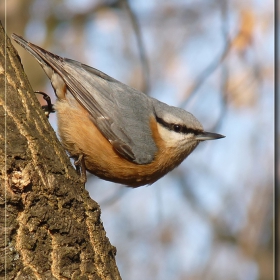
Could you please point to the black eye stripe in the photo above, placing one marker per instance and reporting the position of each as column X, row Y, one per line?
column 177, row 127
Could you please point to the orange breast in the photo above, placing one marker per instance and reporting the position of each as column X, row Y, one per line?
column 80, row 136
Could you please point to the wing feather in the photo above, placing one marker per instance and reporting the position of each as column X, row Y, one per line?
column 121, row 113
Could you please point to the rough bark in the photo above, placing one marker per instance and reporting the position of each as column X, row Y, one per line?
column 49, row 226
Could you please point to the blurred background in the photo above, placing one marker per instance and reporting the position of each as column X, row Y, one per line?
column 212, row 217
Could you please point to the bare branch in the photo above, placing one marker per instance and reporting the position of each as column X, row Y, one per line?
column 141, row 47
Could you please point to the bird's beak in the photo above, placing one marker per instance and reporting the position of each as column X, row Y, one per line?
column 208, row 136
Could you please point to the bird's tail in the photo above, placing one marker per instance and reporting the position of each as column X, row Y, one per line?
column 44, row 57
column 29, row 47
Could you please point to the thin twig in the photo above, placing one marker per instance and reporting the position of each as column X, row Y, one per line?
column 216, row 62
column 224, row 78
column 115, row 197
column 206, row 73
column 142, row 51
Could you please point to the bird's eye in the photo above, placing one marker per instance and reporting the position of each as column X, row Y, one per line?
column 177, row 127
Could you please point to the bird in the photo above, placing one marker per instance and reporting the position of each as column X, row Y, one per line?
column 112, row 130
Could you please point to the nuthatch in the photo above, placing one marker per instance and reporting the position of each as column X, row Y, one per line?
column 116, row 132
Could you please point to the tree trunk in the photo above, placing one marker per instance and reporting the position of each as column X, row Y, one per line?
column 49, row 226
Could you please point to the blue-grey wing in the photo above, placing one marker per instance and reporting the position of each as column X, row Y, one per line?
column 121, row 113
